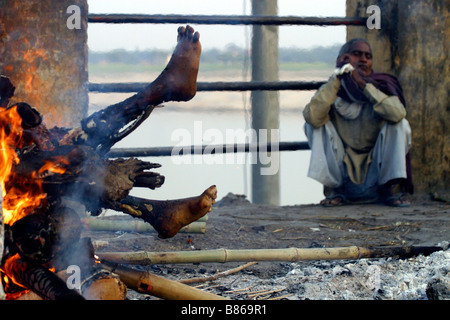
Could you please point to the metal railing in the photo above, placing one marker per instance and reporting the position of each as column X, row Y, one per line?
column 226, row 20
column 217, row 86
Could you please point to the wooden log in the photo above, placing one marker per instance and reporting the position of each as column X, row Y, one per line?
column 101, row 286
column 288, row 254
column 40, row 280
column 135, row 225
column 104, row 286
column 147, row 283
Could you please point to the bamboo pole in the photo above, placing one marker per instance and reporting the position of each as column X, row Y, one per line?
column 147, row 283
column 137, row 225
column 288, row 254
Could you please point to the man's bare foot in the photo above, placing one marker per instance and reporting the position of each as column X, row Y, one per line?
column 334, row 197
column 332, row 202
column 168, row 217
column 178, row 81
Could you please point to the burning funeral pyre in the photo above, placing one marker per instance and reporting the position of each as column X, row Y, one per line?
column 40, row 167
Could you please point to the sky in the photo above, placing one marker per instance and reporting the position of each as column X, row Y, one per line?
column 105, row 37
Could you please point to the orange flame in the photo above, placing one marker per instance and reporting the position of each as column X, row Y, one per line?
column 22, row 195
column 55, row 165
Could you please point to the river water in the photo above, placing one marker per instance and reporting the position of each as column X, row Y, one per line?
column 189, row 175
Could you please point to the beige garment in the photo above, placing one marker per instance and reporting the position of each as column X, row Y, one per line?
column 358, row 132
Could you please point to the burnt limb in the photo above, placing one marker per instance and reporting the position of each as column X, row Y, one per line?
column 87, row 177
column 104, row 147
column 106, row 127
column 160, row 214
column 6, row 91
column 151, row 180
column 35, row 132
column 30, row 116
column 33, row 238
column 168, row 217
column 39, row 279
column 124, row 174
column 79, row 172
column 61, row 165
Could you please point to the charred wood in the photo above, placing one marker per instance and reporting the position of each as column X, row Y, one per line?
column 40, row 280
column 32, row 237
column 6, row 91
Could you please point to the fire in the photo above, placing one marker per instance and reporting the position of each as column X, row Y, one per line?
column 55, row 165
column 11, row 293
column 10, row 139
column 22, row 195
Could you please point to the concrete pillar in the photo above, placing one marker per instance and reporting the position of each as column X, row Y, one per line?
column 45, row 59
column 265, row 104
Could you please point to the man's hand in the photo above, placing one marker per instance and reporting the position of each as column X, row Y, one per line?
column 356, row 74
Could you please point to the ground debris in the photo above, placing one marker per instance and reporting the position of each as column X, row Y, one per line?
column 250, row 226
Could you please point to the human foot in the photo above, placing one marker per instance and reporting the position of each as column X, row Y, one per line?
column 168, row 217
column 171, row 216
column 398, row 200
column 333, row 201
column 390, row 198
column 178, row 81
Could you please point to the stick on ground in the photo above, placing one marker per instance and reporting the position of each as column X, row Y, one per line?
column 217, row 275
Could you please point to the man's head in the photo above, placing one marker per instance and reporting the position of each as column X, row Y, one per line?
column 358, row 53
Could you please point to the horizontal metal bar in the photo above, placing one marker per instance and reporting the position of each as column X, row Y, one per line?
column 227, row 20
column 214, row 86
column 211, row 149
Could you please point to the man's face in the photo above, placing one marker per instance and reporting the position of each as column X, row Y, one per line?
column 360, row 57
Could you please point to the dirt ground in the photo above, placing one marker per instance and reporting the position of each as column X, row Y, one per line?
column 235, row 223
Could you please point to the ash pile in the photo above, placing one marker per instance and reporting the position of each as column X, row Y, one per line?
column 416, row 278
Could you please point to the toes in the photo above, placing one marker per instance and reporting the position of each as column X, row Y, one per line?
column 212, row 192
column 188, row 32
column 196, row 37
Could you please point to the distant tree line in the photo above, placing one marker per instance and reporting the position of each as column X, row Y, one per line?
column 230, row 54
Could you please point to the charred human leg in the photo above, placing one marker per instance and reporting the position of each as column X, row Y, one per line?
column 177, row 82
column 168, row 217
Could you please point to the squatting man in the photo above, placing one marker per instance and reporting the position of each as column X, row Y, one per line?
column 359, row 137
